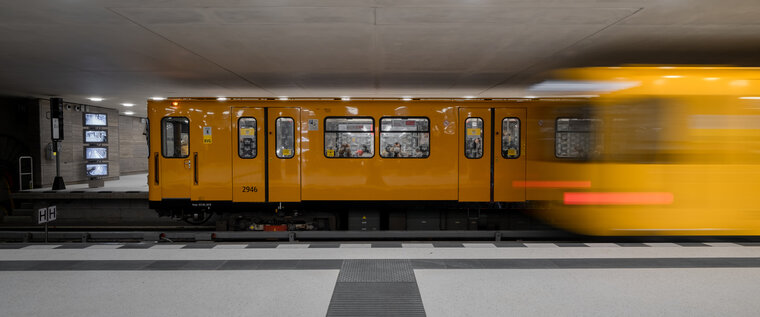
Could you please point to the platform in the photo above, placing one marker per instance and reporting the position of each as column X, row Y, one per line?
column 120, row 203
column 381, row 278
column 133, row 186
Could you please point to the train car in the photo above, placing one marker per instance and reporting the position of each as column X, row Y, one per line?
column 659, row 151
column 665, row 151
column 333, row 163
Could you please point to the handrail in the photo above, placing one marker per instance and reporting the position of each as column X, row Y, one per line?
column 195, row 167
column 155, row 167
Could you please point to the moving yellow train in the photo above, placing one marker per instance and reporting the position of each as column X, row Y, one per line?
column 660, row 150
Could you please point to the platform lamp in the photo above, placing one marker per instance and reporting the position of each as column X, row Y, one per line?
column 56, row 129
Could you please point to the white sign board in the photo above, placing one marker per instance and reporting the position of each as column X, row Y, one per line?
column 47, row 214
column 41, row 215
column 51, row 213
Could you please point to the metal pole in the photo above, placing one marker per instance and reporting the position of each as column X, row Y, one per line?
column 46, row 233
column 58, row 181
column 57, row 159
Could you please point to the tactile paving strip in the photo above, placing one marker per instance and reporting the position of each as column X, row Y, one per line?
column 378, row 271
column 376, row 288
column 376, row 299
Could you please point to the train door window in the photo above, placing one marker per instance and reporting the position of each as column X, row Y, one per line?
column 349, row 137
column 285, row 131
column 473, row 139
column 402, row 137
column 175, row 137
column 576, row 138
column 510, row 138
column 247, row 137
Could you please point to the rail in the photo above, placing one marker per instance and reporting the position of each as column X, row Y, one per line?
column 225, row 236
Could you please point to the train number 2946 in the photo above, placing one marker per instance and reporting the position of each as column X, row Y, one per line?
column 250, row 189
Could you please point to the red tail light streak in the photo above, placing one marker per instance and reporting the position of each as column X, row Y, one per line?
column 618, row 198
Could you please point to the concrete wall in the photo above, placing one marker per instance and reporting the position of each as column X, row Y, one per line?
column 133, row 149
column 120, row 128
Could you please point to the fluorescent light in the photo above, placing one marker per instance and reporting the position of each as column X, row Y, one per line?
column 128, row 104
column 751, row 98
column 345, row 98
column 283, row 98
column 582, row 85
column 158, row 98
column 469, row 97
column 95, row 99
column 672, row 76
column 712, row 78
column 221, row 98
column 406, row 98
column 129, row 113
column 530, row 97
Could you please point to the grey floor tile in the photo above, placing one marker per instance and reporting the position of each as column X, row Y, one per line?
column 692, row 244
column 257, row 245
column 17, row 265
column 277, row 264
column 74, row 246
column 632, row 244
column 240, row 265
column 448, row 244
column 137, row 245
column 12, row 245
column 319, row 264
column 422, row 264
column 571, row 245
column 109, row 265
column 324, row 245
column 509, row 244
column 386, row 244
column 199, row 246
column 185, row 265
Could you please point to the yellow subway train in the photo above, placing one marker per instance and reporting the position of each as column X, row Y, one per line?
column 659, row 151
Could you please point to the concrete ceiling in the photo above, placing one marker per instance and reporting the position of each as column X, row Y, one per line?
column 130, row 50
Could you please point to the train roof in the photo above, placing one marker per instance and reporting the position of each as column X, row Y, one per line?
column 658, row 80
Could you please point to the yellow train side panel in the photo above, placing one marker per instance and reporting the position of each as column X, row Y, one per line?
column 210, row 151
column 378, row 178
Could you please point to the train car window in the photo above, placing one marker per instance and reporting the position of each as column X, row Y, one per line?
column 349, row 137
column 284, row 130
column 404, row 137
column 510, row 138
column 576, row 138
column 175, row 137
column 247, row 137
column 473, row 139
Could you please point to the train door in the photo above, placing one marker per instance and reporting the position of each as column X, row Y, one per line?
column 210, row 154
column 284, row 147
column 475, row 154
column 248, row 155
column 174, row 161
column 509, row 155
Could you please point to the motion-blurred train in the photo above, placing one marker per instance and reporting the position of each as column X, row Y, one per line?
column 657, row 151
